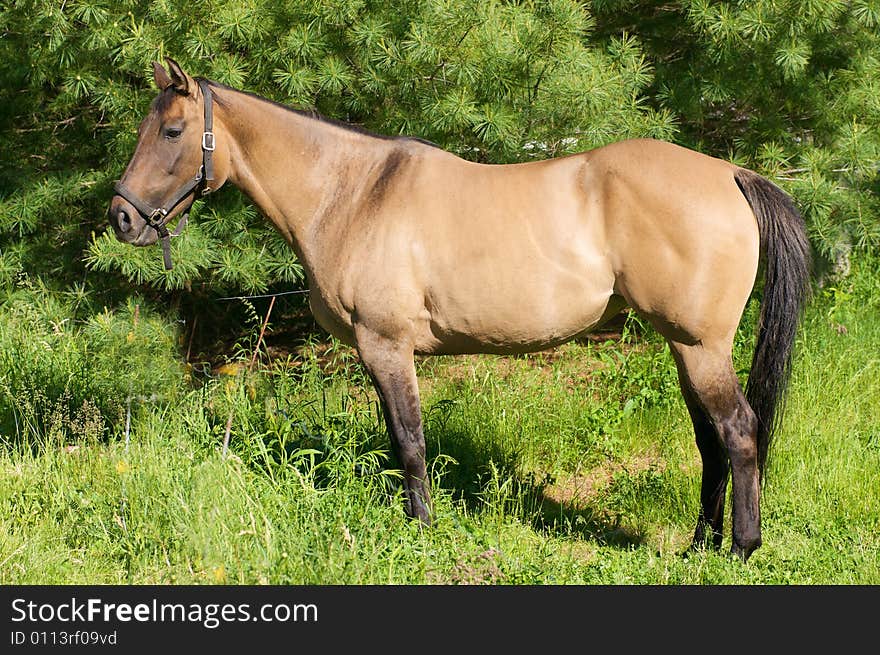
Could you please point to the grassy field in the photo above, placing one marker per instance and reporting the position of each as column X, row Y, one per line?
column 572, row 466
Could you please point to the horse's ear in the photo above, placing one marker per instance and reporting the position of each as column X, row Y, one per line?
column 179, row 79
column 161, row 76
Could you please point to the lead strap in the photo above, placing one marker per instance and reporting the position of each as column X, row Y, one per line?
column 166, row 240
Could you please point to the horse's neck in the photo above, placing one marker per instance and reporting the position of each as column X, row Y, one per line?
column 293, row 167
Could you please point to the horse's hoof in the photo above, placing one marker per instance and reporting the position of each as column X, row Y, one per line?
column 744, row 552
column 417, row 509
column 690, row 550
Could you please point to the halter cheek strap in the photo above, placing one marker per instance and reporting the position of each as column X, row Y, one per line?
column 157, row 217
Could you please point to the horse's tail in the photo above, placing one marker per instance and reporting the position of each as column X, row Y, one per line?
column 787, row 256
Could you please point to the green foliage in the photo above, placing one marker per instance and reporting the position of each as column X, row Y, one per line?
column 788, row 88
column 492, row 81
column 68, row 370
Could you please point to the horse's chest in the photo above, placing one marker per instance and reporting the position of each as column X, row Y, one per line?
column 332, row 317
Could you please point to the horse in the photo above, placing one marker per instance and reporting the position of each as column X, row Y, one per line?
column 410, row 250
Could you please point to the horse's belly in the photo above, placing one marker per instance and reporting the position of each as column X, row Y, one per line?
column 528, row 283
column 525, row 316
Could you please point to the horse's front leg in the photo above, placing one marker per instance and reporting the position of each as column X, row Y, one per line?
column 390, row 365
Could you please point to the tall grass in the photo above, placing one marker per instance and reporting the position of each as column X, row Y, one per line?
column 575, row 466
column 68, row 369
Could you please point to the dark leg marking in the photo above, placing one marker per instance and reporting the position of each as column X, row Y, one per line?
column 716, row 470
column 726, row 431
column 394, row 377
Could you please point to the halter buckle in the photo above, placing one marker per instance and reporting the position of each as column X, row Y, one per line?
column 156, row 217
column 208, row 141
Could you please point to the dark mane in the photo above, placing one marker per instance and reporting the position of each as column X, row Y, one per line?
column 316, row 116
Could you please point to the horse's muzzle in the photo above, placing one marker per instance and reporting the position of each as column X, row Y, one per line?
column 128, row 225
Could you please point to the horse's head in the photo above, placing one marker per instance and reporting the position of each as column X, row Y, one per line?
column 174, row 161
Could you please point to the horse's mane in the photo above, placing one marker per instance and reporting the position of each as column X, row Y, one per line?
column 313, row 114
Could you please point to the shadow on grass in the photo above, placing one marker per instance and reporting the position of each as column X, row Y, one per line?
column 591, row 523
column 487, row 477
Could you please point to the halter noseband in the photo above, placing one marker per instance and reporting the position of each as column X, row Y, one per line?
column 157, row 217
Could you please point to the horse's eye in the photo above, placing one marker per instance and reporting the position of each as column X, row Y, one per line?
column 173, row 132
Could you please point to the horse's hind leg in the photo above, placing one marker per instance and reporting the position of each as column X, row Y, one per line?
column 391, row 367
column 726, row 431
column 716, row 467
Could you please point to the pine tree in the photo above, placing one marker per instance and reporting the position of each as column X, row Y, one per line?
column 492, row 81
column 788, row 87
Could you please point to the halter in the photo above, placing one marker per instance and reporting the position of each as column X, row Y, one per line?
column 157, row 217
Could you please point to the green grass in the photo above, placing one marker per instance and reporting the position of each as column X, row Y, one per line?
column 575, row 466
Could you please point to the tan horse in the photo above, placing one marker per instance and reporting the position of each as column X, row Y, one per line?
column 409, row 249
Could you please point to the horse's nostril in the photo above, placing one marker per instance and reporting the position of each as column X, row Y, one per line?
column 124, row 221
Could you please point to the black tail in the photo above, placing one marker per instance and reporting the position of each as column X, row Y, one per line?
column 787, row 257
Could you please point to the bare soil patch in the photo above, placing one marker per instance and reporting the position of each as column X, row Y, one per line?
column 579, row 490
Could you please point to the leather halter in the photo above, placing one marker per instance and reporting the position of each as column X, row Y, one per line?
column 157, row 217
